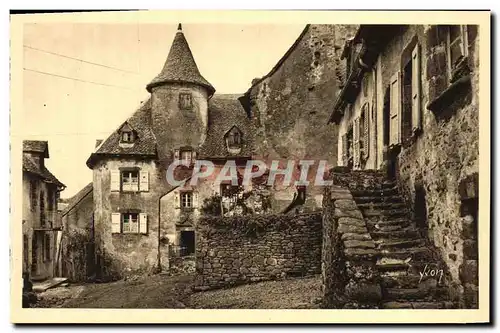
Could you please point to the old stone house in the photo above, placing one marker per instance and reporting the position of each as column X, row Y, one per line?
column 41, row 223
column 410, row 107
column 139, row 220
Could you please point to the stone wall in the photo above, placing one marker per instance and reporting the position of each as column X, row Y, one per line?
column 118, row 253
column 77, row 253
column 349, row 254
column 446, row 153
column 245, row 249
column 290, row 106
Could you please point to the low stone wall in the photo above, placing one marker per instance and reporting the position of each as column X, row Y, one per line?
column 349, row 275
column 243, row 249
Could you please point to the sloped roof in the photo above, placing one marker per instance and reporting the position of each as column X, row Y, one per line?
column 144, row 145
column 74, row 200
column 180, row 66
column 29, row 165
column 36, row 147
column 225, row 112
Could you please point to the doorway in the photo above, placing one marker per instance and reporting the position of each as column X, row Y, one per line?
column 187, row 243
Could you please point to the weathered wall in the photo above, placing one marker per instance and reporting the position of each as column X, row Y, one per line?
column 445, row 153
column 31, row 220
column 349, row 275
column 245, row 249
column 174, row 128
column 124, row 253
column 290, row 107
column 77, row 252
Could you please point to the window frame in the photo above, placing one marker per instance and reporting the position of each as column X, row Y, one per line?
column 130, row 222
column 189, row 199
column 131, row 137
column 463, row 38
column 33, row 194
column 130, row 182
column 182, row 99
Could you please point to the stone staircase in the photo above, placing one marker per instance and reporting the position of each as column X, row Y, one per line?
column 411, row 273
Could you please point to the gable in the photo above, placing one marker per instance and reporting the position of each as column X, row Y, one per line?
column 144, row 145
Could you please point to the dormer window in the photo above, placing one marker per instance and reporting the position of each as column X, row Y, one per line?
column 234, row 139
column 185, row 101
column 186, row 154
column 127, row 135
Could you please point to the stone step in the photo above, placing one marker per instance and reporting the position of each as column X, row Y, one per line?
column 404, row 243
column 375, row 192
column 428, row 294
column 381, row 206
column 409, row 280
column 409, row 233
column 391, row 213
column 378, row 199
column 421, row 253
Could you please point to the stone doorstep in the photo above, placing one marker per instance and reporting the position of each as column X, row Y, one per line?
column 407, row 281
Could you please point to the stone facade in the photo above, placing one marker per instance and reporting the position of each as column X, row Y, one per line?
column 245, row 249
column 290, row 106
column 77, row 252
column 412, row 109
column 41, row 221
column 281, row 116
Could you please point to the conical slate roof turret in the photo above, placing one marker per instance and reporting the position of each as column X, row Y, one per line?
column 180, row 66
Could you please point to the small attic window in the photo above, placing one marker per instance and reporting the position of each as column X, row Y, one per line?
column 127, row 134
column 128, row 137
column 234, row 139
column 185, row 101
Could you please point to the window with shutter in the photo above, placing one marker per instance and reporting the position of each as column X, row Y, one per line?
column 416, row 111
column 143, row 223
column 115, row 223
column 366, row 131
column 356, row 144
column 115, row 180
column 144, row 181
column 395, row 110
column 345, row 150
column 177, row 199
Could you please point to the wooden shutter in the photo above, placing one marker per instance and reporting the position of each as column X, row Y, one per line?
column 144, row 181
column 345, row 150
column 176, row 154
column 366, row 131
column 395, row 110
column 115, row 180
column 416, row 112
column 193, row 158
column 195, row 200
column 115, row 223
column 143, row 223
column 356, row 143
column 177, row 199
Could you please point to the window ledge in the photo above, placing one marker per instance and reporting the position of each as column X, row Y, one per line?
column 450, row 94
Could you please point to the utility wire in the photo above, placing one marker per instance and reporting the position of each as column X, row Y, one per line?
column 81, row 60
column 75, row 79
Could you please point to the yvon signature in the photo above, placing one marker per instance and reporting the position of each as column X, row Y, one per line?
column 429, row 271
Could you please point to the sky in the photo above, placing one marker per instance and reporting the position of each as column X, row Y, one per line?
column 82, row 80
